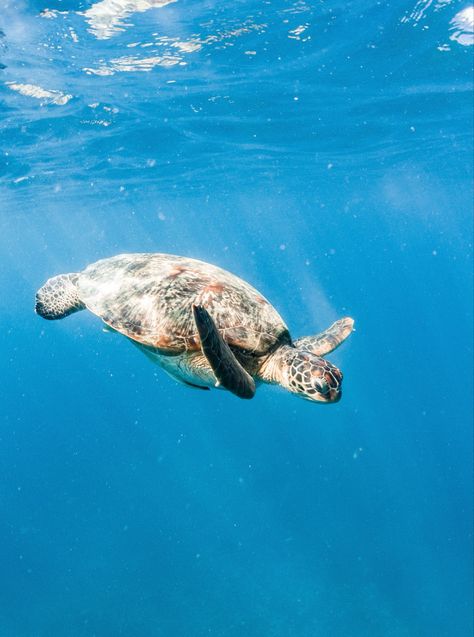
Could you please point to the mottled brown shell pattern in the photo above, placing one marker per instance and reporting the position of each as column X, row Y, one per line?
column 149, row 298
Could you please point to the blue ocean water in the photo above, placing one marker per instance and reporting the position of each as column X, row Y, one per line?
column 323, row 152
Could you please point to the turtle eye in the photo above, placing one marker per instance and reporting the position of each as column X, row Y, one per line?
column 321, row 385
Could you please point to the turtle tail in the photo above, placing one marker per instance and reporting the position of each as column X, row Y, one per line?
column 58, row 297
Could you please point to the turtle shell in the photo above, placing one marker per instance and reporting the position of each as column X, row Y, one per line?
column 149, row 298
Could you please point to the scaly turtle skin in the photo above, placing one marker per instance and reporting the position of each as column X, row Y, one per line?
column 202, row 324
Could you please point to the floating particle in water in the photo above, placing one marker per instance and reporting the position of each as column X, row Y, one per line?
column 295, row 34
column 18, row 180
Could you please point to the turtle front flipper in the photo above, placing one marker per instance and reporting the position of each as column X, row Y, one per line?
column 227, row 369
column 58, row 297
column 328, row 340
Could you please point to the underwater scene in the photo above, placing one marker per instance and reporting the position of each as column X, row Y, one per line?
column 269, row 433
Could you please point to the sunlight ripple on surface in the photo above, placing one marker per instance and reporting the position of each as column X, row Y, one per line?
column 106, row 17
column 462, row 26
column 133, row 63
column 47, row 96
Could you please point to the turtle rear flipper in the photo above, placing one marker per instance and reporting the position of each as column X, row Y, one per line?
column 227, row 369
column 327, row 341
column 58, row 297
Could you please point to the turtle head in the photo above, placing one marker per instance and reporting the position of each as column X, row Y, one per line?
column 304, row 374
column 314, row 378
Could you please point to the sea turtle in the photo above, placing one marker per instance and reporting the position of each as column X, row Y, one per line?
column 200, row 323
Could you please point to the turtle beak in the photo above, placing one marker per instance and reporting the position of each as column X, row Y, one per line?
column 334, row 396
column 331, row 396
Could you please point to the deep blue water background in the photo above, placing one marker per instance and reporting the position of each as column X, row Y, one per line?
column 332, row 168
